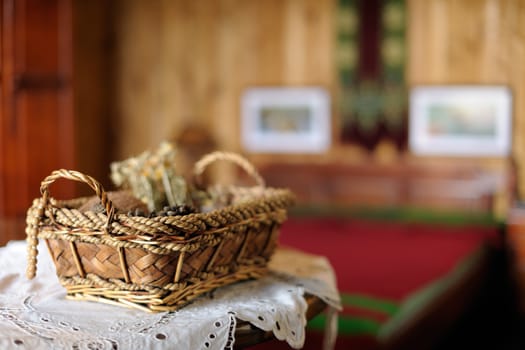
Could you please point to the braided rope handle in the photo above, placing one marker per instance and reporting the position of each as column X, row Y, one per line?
column 33, row 221
column 235, row 158
column 78, row 176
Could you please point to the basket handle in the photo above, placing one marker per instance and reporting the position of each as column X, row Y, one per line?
column 236, row 158
column 32, row 230
column 78, row 176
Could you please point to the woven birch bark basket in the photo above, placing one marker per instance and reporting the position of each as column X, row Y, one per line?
column 156, row 263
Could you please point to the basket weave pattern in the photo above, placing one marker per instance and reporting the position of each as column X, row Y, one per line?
column 158, row 263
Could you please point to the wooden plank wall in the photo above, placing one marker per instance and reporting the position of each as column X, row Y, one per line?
column 473, row 42
column 180, row 62
column 188, row 62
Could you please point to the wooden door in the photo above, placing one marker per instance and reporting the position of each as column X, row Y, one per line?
column 36, row 120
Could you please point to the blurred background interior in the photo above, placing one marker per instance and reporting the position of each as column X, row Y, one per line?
column 426, row 247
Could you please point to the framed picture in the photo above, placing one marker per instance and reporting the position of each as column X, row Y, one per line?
column 460, row 120
column 286, row 120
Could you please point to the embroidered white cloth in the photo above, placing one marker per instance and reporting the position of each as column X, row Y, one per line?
column 35, row 315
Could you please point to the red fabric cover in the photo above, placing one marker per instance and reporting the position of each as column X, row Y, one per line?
column 389, row 260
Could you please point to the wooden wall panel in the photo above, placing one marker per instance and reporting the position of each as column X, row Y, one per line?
column 180, row 62
column 472, row 42
column 185, row 62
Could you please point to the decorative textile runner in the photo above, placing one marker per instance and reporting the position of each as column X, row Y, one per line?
column 35, row 315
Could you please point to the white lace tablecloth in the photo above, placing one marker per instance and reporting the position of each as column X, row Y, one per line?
column 35, row 315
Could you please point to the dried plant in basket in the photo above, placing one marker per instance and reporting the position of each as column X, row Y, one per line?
column 152, row 177
column 156, row 263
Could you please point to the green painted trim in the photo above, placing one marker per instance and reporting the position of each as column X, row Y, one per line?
column 389, row 307
column 401, row 214
column 347, row 325
column 357, row 325
column 317, row 323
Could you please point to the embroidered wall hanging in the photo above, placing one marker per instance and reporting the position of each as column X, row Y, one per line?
column 371, row 67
